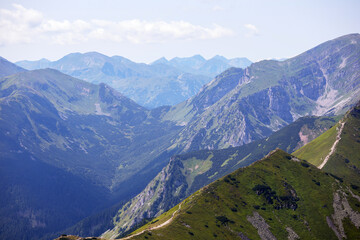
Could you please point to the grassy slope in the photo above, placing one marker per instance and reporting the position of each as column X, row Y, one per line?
column 345, row 162
column 220, row 210
column 319, row 148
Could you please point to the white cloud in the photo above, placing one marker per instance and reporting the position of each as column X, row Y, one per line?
column 21, row 25
column 252, row 30
column 18, row 25
column 217, row 8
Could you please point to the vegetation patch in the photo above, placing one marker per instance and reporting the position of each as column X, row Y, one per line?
column 279, row 202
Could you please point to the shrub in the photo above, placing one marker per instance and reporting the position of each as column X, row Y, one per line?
column 305, row 164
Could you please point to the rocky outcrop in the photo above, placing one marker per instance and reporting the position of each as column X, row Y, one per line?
column 263, row 228
column 292, row 234
column 342, row 210
column 167, row 189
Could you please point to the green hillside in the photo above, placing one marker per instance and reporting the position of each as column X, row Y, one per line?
column 286, row 197
column 345, row 162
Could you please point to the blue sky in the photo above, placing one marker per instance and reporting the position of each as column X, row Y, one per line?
column 144, row 31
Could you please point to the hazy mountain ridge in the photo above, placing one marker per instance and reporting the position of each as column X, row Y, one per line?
column 199, row 65
column 158, row 84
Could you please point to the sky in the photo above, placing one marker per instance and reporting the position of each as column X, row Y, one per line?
column 144, row 30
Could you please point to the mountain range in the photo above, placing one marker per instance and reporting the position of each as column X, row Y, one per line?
column 151, row 85
column 243, row 105
column 200, row 66
column 72, row 148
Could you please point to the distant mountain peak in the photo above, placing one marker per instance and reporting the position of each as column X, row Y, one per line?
column 198, row 57
column 161, row 60
column 94, row 54
column 44, row 60
column 219, row 57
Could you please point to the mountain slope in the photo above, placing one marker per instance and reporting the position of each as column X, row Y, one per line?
column 337, row 150
column 53, row 127
column 149, row 85
column 286, row 198
column 38, row 198
column 240, row 106
column 189, row 172
column 69, row 116
column 8, row 68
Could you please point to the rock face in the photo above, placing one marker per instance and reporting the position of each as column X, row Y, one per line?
column 167, row 189
column 260, row 224
column 240, row 106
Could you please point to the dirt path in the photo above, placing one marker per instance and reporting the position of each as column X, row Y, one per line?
column 156, row 227
column 333, row 147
